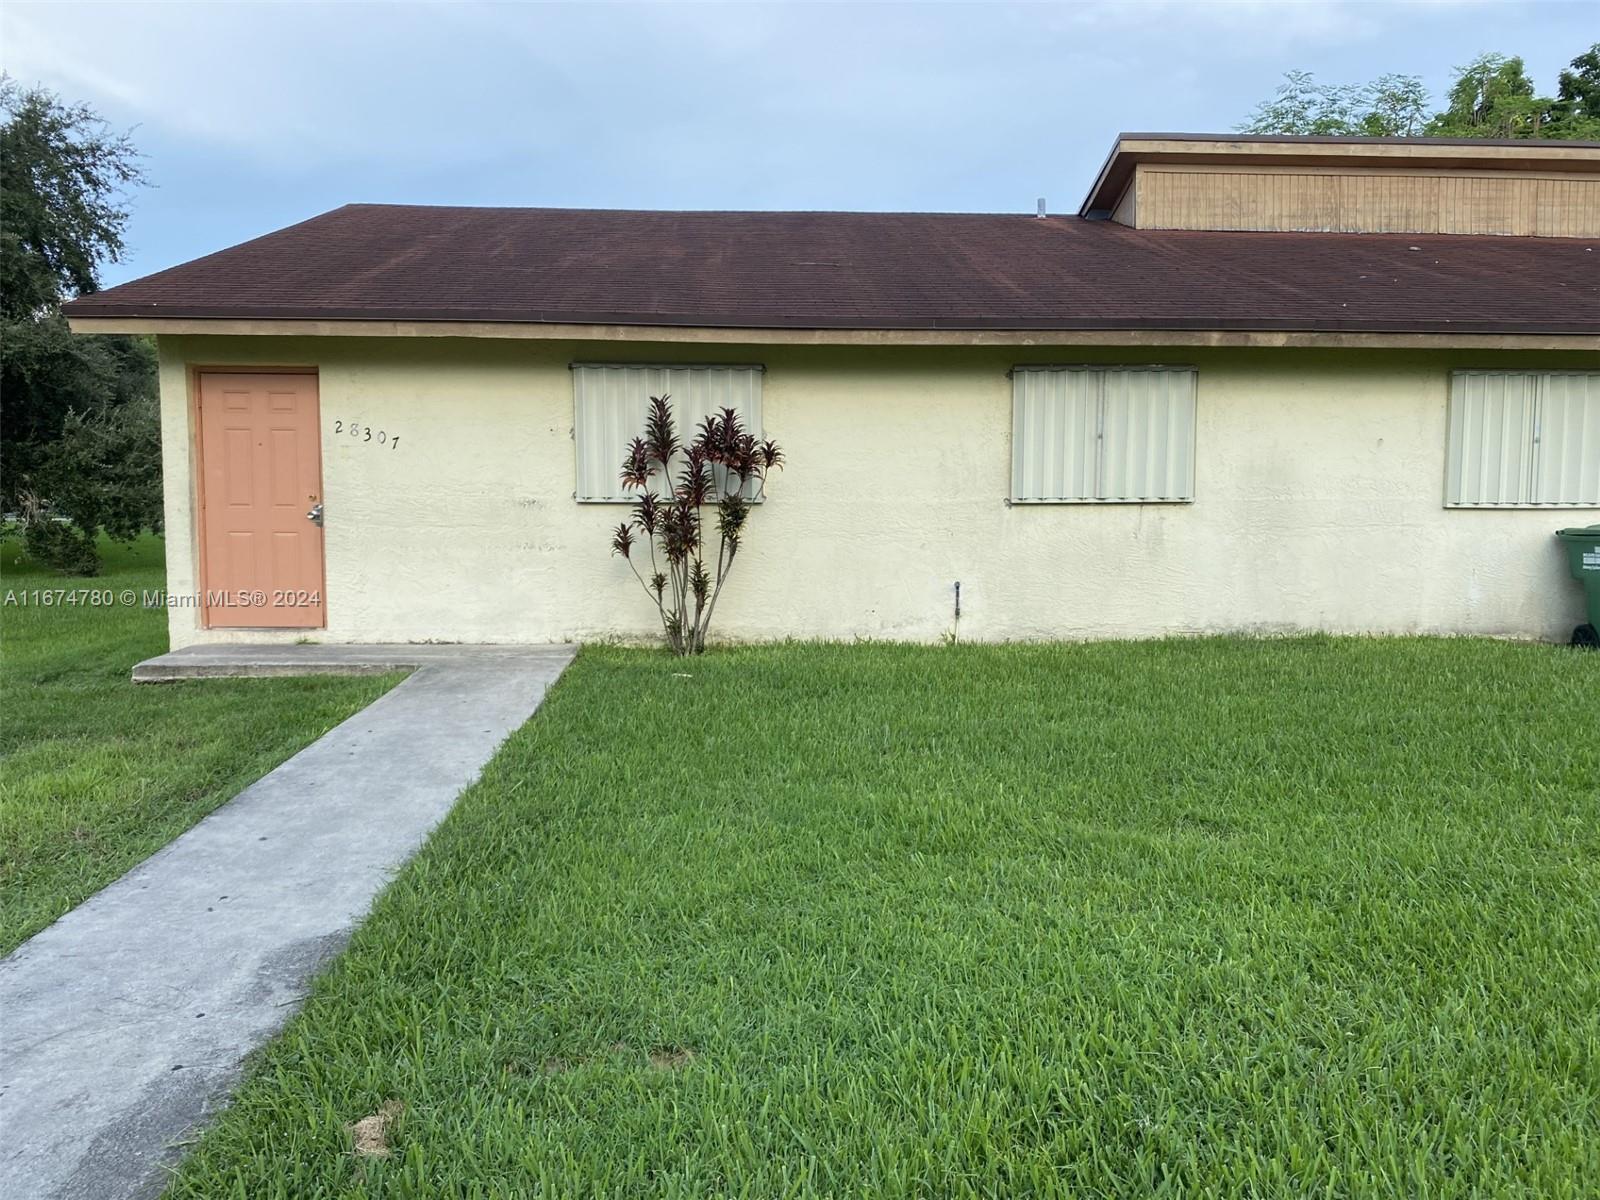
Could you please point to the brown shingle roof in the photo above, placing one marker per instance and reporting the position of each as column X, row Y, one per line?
column 833, row 270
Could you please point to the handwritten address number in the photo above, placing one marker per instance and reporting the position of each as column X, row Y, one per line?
column 366, row 433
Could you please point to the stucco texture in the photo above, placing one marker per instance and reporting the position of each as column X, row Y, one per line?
column 1318, row 501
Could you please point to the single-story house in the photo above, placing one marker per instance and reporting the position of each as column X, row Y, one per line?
column 1253, row 383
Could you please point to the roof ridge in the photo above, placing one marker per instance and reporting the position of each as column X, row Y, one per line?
column 695, row 212
column 1360, row 139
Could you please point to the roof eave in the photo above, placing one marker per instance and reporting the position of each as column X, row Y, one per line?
column 1108, row 333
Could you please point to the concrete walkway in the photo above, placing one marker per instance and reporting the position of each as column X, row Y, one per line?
column 125, row 1022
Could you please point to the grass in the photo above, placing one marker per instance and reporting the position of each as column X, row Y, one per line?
column 95, row 773
column 1194, row 918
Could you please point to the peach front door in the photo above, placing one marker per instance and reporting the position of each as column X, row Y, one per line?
column 261, row 475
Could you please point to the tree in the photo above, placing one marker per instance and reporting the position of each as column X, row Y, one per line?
column 63, row 183
column 1490, row 97
column 1576, row 111
column 1395, row 106
column 1390, row 106
column 100, row 471
column 724, row 468
column 63, row 175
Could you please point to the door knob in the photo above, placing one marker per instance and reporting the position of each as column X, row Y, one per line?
column 315, row 515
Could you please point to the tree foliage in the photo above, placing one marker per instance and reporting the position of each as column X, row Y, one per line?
column 100, row 472
column 1490, row 97
column 78, row 437
column 1576, row 111
column 63, row 180
column 1390, row 106
column 723, row 468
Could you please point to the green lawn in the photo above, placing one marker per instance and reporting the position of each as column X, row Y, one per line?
column 1216, row 917
column 96, row 773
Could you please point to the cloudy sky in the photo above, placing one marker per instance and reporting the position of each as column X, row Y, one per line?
column 253, row 116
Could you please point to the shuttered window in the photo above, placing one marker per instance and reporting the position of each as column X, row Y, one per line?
column 1523, row 438
column 610, row 402
column 1096, row 435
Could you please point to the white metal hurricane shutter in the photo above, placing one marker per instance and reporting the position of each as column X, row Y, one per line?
column 1491, row 437
column 1102, row 434
column 1523, row 437
column 1148, row 435
column 1566, row 468
column 1053, row 443
column 610, row 402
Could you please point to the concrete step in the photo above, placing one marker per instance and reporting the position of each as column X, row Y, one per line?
column 244, row 660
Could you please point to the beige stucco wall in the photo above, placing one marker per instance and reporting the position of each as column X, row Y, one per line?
column 1319, row 480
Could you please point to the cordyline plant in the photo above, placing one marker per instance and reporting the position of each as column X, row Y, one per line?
column 724, row 468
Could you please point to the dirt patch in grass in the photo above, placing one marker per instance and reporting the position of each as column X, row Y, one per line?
column 369, row 1137
column 671, row 1058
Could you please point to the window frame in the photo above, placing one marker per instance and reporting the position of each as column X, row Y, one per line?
column 1101, row 371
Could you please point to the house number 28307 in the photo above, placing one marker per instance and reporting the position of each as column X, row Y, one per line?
column 357, row 432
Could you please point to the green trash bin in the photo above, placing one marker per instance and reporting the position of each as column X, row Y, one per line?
column 1583, row 556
